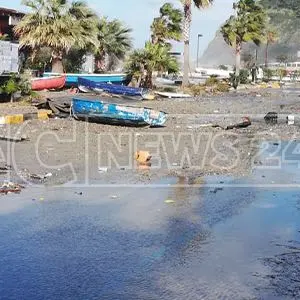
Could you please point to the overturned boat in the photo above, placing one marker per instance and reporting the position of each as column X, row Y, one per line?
column 86, row 85
column 72, row 78
column 48, row 83
column 116, row 114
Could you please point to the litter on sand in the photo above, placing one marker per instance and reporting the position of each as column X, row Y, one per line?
column 143, row 157
column 10, row 187
column 169, row 201
column 102, row 170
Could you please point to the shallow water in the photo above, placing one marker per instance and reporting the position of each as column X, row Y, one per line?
column 219, row 240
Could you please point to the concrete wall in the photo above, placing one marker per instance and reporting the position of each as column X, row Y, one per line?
column 9, row 57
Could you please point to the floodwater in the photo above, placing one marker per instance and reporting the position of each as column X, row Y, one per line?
column 221, row 238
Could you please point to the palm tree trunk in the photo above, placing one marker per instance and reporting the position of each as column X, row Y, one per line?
column 186, row 39
column 100, row 63
column 267, row 54
column 57, row 64
column 238, row 59
column 148, row 80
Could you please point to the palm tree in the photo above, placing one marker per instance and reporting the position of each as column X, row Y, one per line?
column 247, row 25
column 153, row 58
column 135, row 66
column 114, row 42
column 59, row 25
column 167, row 26
column 271, row 38
column 187, row 8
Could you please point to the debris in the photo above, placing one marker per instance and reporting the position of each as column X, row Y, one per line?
column 6, row 168
column 114, row 197
column 143, row 158
column 271, row 118
column 216, row 190
column 73, row 91
column 169, row 201
column 42, row 199
column 207, row 125
column 10, row 187
column 40, row 177
column 290, row 120
column 13, row 138
column 148, row 97
column 102, row 169
column 80, row 193
column 245, row 123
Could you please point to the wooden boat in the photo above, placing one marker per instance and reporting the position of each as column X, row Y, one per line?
column 72, row 79
column 116, row 114
column 49, row 83
column 88, row 85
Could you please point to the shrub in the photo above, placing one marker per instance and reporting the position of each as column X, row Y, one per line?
column 281, row 73
column 16, row 84
column 222, row 87
column 244, row 76
column 196, row 89
column 211, row 81
column 268, row 74
column 223, row 67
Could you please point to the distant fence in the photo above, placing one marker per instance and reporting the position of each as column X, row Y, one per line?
column 9, row 57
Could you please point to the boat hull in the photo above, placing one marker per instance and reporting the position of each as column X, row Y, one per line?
column 89, row 85
column 50, row 83
column 72, row 79
column 115, row 114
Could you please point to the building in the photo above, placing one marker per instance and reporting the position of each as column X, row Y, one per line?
column 9, row 54
column 9, row 18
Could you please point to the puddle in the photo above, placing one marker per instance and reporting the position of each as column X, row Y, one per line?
column 221, row 238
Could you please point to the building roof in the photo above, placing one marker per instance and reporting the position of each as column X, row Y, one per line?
column 7, row 12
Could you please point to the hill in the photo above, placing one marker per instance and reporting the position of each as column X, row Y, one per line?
column 284, row 16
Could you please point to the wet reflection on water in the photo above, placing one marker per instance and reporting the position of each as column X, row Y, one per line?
column 124, row 243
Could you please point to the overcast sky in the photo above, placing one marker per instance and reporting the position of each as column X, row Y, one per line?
column 138, row 14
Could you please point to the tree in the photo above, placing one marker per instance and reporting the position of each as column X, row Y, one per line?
column 114, row 42
column 247, row 25
column 153, row 58
column 135, row 66
column 167, row 26
column 282, row 58
column 187, row 9
column 59, row 25
column 271, row 38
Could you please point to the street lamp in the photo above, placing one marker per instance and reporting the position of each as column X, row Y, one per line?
column 199, row 36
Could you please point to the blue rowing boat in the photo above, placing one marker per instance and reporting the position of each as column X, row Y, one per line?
column 72, row 79
column 86, row 85
column 116, row 114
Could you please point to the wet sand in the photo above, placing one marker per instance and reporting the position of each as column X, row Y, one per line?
column 74, row 151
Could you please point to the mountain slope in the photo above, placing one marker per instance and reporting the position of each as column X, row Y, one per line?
column 284, row 16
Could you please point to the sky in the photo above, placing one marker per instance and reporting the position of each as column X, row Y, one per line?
column 139, row 14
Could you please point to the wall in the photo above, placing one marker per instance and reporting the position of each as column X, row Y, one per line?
column 9, row 57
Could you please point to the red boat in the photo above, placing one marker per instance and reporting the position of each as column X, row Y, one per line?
column 48, row 83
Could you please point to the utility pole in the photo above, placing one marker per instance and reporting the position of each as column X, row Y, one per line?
column 199, row 36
